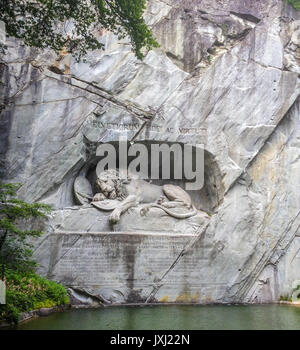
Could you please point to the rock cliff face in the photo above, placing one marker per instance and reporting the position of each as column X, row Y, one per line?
column 226, row 76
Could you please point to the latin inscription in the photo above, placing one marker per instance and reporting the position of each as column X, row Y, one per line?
column 154, row 128
column 113, row 260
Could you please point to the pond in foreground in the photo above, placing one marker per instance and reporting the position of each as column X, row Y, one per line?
column 180, row 317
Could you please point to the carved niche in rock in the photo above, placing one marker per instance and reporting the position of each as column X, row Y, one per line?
column 118, row 195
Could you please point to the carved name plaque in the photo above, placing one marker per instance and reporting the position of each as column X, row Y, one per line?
column 113, row 258
column 126, row 262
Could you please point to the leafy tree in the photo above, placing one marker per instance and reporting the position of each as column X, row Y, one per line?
column 41, row 23
column 15, row 250
column 295, row 3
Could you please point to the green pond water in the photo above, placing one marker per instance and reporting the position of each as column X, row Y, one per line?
column 172, row 317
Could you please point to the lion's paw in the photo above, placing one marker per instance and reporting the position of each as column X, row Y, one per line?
column 161, row 200
column 144, row 210
column 114, row 217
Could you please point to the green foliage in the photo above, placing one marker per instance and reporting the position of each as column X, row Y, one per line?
column 15, row 250
column 297, row 289
column 42, row 23
column 295, row 3
column 285, row 298
column 44, row 304
column 27, row 291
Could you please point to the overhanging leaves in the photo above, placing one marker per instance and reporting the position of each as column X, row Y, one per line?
column 41, row 23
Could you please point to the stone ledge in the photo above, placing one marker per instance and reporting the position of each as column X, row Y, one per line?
column 293, row 303
column 145, row 233
column 26, row 316
column 89, row 220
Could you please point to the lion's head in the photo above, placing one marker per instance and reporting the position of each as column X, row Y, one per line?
column 111, row 185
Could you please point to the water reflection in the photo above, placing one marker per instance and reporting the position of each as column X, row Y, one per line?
column 182, row 317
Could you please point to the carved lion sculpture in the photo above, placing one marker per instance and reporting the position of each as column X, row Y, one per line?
column 119, row 195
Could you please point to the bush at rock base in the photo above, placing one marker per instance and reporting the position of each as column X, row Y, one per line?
column 26, row 291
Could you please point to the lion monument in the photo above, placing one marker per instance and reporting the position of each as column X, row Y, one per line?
column 118, row 195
